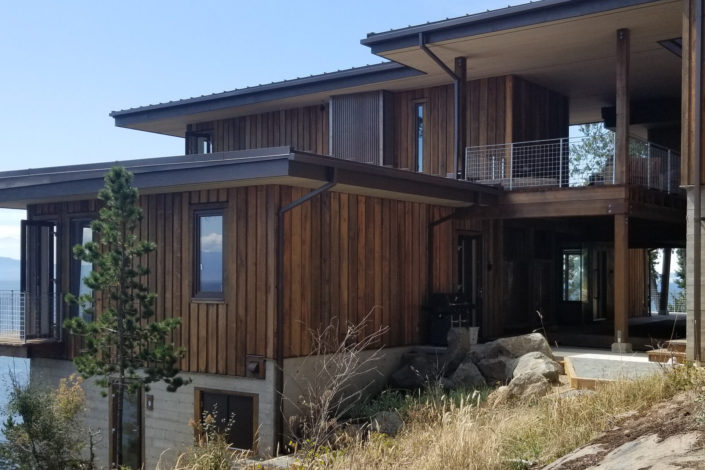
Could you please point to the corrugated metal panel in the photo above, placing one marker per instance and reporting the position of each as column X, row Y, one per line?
column 357, row 127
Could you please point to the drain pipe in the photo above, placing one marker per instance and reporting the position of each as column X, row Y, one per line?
column 279, row 378
column 456, row 103
column 697, row 218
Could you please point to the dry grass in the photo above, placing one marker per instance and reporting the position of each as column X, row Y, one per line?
column 517, row 436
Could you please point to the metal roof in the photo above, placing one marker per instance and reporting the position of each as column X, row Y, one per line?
column 274, row 165
column 491, row 21
column 276, row 90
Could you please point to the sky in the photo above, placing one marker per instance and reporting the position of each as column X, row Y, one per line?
column 66, row 65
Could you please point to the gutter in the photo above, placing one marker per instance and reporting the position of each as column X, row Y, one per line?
column 279, row 378
column 697, row 218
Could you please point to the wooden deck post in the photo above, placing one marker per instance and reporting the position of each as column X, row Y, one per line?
column 621, row 168
column 460, row 114
column 621, row 284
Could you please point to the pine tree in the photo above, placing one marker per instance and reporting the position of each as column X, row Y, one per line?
column 123, row 347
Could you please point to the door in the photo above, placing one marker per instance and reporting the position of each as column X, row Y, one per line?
column 38, row 277
column 470, row 275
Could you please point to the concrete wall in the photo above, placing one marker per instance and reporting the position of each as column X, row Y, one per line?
column 301, row 371
column 690, row 251
column 167, row 425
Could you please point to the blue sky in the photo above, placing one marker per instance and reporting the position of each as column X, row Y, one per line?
column 66, row 65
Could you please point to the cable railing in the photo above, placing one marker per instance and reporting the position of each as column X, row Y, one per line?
column 571, row 162
column 24, row 317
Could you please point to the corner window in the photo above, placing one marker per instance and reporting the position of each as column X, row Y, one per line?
column 208, row 254
column 198, row 143
column 81, row 233
column 572, row 275
column 418, row 119
column 234, row 415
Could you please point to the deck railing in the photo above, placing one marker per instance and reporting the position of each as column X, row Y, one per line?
column 25, row 317
column 571, row 162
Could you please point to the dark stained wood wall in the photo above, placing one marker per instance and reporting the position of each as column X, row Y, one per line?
column 537, row 112
column 344, row 255
column 304, row 128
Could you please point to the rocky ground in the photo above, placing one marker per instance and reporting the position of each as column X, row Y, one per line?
column 668, row 436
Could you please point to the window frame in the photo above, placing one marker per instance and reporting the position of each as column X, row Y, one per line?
column 76, row 226
column 566, row 252
column 198, row 410
column 207, row 210
column 419, row 123
column 195, row 139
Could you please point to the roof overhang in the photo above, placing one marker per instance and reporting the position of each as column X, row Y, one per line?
column 277, row 165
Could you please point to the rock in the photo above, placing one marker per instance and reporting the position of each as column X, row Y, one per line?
column 540, row 363
column 499, row 397
column 528, row 386
column 467, row 375
column 517, row 346
column 457, row 350
column 488, row 350
column 417, row 373
column 498, row 369
column 386, row 422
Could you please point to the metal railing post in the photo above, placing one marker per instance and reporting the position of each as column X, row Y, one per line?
column 648, row 164
column 560, row 163
column 668, row 171
column 614, row 162
column 511, row 164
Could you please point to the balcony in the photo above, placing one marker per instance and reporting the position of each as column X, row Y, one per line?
column 571, row 162
column 26, row 318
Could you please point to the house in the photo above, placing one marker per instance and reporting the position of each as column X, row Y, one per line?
column 450, row 168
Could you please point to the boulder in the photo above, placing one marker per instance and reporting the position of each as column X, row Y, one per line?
column 386, row 422
column 457, row 350
column 467, row 375
column 540, row 363
column 418, row 372
column 498, row 369
column 488, row 350
column 528, row 386
column 517, row 346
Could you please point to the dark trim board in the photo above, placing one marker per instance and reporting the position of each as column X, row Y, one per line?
column 276, row 165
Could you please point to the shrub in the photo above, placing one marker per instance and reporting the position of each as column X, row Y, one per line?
column 43, row 428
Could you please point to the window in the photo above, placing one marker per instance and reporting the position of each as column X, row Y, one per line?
column 234, row 413
column 132, row 427
column 198, row 142
column 418, row 115
column 81, row 233
column 208, row 254
column 572, row 275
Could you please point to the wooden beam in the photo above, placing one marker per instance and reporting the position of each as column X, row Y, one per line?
column 622, row 108
column 621, row 278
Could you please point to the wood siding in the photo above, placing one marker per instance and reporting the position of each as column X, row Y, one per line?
column 344, row 255
column 688, row 105
column 304, row 128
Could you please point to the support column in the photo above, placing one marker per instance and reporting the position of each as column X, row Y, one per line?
column 621, row 284
column 460, row 88
column 621, row 167
column 665, row 280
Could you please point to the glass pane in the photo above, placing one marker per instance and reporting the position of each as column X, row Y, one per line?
column 211, row 253
column 572, row 276
column 85, row 269
column 419, row 137
column 131, row 429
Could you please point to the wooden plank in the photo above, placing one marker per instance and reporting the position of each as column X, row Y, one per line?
column 272, row 250
column 251, row 277
column 241, row 289
column 621, row 278
column 261, row 272
column 344, row 264
column 211, row 342
column 295, row 281
column 186, row 263
column 234, row 274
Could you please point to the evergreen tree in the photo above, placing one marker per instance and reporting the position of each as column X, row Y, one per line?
column 592, row 155
column 123, row 347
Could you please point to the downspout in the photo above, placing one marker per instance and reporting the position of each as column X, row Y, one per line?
column 279, row 378
column 697, row 218
column 456, row 104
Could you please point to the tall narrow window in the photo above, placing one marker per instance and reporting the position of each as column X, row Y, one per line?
column 132, row 431
column 208, row 252
column 81, row 233
column 572, row 275
column 418, row 116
